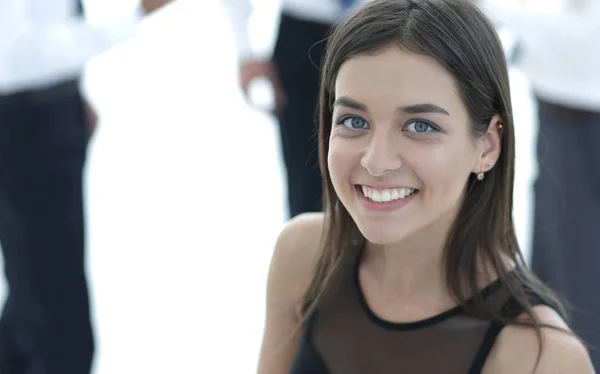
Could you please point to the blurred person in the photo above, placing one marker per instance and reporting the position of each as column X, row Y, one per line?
column 293, row 71
column 45, row 124
column 559, row 53
column 414, row 266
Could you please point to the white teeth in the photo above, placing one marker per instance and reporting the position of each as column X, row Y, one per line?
column 376, row 196
column 384, row 196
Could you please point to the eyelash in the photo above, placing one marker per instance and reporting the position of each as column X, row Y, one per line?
column 434, row 128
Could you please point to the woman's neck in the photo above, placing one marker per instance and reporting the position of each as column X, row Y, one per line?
column 414, row 268
column 411, row 268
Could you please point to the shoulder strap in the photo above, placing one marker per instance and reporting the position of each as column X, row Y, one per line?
column 511, row 309
column 486, row 347
column 307, row 359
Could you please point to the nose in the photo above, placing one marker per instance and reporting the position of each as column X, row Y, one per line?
column 381, row 155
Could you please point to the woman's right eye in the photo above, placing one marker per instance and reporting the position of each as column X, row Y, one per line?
column 353, row 123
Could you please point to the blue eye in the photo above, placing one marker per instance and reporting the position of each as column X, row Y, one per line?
column 420, row 127
column 354, row 123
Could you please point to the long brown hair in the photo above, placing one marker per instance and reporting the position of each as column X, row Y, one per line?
column 460, row 38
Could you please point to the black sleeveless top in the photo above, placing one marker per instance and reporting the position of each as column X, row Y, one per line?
column 344, row 336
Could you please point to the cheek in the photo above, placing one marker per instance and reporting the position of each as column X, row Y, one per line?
column 340, row 163
column 444, row 171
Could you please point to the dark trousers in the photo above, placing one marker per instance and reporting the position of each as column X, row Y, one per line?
column 566, row 246
column 297, row 57
column 45, row 324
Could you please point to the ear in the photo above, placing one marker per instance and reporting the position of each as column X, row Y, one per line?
column 490, row 145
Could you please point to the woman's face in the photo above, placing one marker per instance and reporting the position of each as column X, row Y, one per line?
column 400, row 150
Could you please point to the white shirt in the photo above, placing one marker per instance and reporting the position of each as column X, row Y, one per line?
column 43, row 43
column 560, row 43
column 239, row 12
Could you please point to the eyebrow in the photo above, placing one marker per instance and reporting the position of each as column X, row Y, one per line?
column 410, row 109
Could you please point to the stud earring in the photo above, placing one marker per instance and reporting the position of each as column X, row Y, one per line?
column 481, row 174
column 500, row 125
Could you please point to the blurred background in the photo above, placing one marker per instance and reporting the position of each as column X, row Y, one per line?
column 178, row 160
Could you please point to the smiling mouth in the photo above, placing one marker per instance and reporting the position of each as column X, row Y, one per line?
column 386, row 195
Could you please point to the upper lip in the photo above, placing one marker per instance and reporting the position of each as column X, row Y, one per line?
column 379, row 186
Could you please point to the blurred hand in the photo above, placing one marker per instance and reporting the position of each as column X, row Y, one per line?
column 150, row 6
column 250, row 70
column 92, row 118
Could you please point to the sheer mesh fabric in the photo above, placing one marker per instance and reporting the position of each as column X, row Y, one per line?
column 345, row 337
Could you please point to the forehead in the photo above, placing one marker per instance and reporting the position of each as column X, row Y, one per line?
column 396, row 77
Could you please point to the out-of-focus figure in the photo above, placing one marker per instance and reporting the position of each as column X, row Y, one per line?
column 560, row 54
column 45, row 124
column 293, row 71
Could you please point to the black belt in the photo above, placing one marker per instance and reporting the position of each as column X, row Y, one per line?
column 32, row 96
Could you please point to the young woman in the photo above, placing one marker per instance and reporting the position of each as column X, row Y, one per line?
column 414, row 266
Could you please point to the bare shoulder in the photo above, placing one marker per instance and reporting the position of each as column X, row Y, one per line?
column 303, row 233
column 296, row 252
column 516, row 349
column 299, row 240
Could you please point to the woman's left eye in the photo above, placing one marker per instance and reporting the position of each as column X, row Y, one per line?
column 420, row 127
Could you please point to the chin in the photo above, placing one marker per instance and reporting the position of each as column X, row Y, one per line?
column 383, row 233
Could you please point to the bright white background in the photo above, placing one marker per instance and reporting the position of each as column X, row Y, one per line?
column 185, row 195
